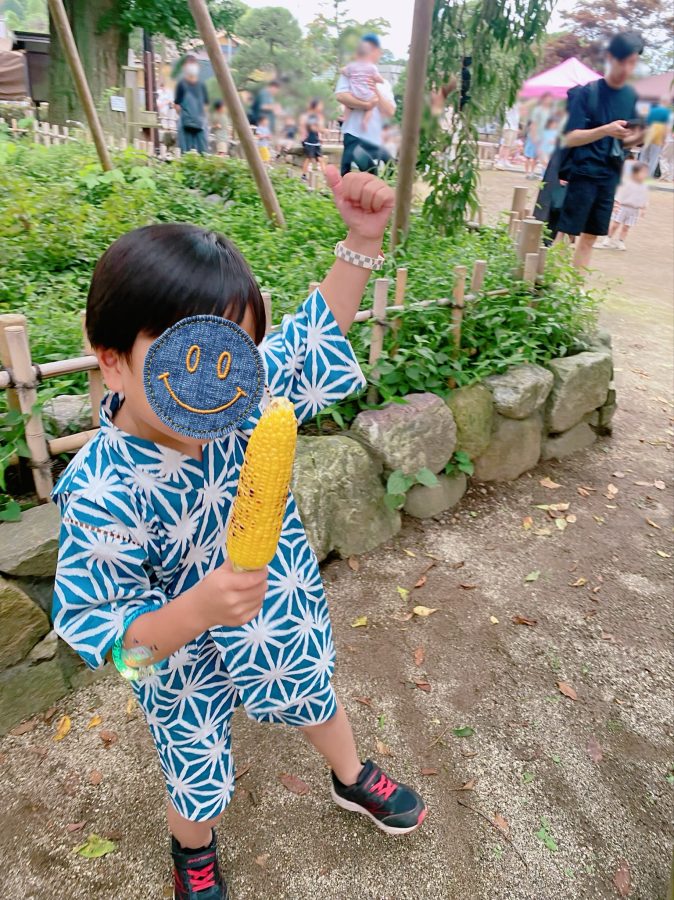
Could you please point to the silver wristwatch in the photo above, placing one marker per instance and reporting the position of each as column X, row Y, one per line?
column 357, row 259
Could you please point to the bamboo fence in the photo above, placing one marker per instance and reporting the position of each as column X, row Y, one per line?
column 20, row 376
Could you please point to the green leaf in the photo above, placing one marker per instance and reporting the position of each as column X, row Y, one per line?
column 426, row 477
column 394, row 501
column 533, row 576
column 397, row 483
column 464, row 732
column 10, row 512
column 95, row 847
column 528, row 777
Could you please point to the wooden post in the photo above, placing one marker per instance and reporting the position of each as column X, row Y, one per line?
column 413, row 107
column 520, row 195
column 46, row 131
column 266, row 299
column 96, row 383
column 7, row 321
column 479, row 270
column 26, row 382
column 458, row 295
column 204, row 23
column 381, row 287
column 542, row 259
column 530, row 270
column 513, row 219
column 62, row 25
column 529, row 240
column 401, row 286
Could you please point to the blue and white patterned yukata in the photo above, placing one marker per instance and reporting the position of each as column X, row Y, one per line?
column 142, row 523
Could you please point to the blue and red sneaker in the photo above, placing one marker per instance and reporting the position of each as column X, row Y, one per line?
column 393, row 807
column 196, row 873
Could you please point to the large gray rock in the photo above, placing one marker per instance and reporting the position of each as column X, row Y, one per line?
column 515, row 448
column 340, row 494
column 22, row 624
column 473, row 411
column 45, row 650
column 520, row 391
column 26, row 690
column 602, row 419
column 417, row 434
column 69, row 413
column 557, row 446
column 423, row 502
column 30, row 547
column 581, row 385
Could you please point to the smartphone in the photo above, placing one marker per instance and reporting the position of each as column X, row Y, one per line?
column 635, row 123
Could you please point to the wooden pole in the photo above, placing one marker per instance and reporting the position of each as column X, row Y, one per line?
column 96, row 383
column 542, row 259
column 479, row 270
column 520, row 195
column 512, row 223
column 401, row 286
column 413, row 108
column 459, row 293
column 204, row 23
column 26, row 382
column 530, row 268
column 529, row 241
column 69, row 443
column 67, row 40
column 7, row 321
column 266, row 299
column 381, row 287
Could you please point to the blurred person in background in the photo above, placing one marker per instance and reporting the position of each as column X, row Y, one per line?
column 548, row 142
column 363, row 146
column 631, row 200
column 220, row 128
column 312, row 123
column 530, row 150
column 509, row 135
column 263, row 137
column 656, row 135
column 266, row 104
column 596, row 139
column 191, row 104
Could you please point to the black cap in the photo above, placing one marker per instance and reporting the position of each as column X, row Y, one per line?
column 625, row 44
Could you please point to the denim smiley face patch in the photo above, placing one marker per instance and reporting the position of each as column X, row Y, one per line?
column 204, row 377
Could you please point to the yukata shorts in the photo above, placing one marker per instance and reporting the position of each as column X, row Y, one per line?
column 588, row 206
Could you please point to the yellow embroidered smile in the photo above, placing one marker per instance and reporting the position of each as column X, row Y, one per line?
column 192, row 360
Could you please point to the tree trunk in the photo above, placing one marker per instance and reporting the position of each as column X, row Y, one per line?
column 102, row 54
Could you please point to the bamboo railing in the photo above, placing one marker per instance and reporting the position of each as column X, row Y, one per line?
column 20, row 376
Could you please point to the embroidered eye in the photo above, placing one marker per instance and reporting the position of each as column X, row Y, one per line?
column 192, row 359
column 224, row 364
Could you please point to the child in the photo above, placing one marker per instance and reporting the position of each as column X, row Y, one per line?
column 312, row 123
column 530, row 151
column 362, row 74
column 631, row 200
column 548, row 141
column 142, row 560
column 220, row 128
column 263, row 135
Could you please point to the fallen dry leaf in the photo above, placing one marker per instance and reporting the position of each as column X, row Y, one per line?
column 524, row 620
column 242, row 770
column 572, row 519
column 653, row 524
column 468, row 587
column 353, row 563
column 94, row 721
column 660, row 485
column 366, row 701
column 130, row 706
column 426, row 771
column 493, row 620
column 108, row 737
column 469, row 785
column 594, row 751
column 294, row 784
column 262, row 860
column 618, row 474
column 622, row 880
column 549, row 483
column 501, row 823
column 421, row 582
column 419, row 656
column 527, row 523
column 95, row 777
column 611, row 491
column 664, row 554
column 423, row 611
column 383, row 748
column 404, row 592
column 410, row 553
column 583, row 491
column 579, row 582
column 75, row 826
column 63, row 727
column 567, row 690
column 49, row 714
column 24, row 728
column 359, row 622
column 423, row 685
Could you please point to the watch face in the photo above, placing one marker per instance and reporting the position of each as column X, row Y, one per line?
column 204, row 377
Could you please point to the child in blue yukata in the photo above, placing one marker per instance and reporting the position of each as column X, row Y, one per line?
column 142, row 559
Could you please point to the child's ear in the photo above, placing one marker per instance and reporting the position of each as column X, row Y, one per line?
column 111, row 364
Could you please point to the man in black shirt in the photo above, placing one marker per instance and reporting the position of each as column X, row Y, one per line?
column 598, row 130
column 191, row 104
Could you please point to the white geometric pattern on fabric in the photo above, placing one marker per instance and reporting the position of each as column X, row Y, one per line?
column 142, row 524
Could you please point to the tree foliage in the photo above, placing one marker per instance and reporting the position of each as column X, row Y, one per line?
column 499, row 36
column 172, row 18
column 334, row 35
column 25, row 15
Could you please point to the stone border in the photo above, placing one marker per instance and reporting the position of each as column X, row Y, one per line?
column 505, row 424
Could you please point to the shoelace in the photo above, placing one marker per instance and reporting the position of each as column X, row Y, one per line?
column 383, row 788
column 200, row 879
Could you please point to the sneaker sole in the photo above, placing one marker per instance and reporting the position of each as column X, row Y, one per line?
column 388, row 829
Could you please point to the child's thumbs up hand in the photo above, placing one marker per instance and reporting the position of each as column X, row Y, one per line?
column 364, row 201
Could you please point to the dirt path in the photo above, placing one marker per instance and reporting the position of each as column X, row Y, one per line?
column 602, row 604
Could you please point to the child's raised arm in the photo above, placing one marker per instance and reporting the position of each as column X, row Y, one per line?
column 365, row 203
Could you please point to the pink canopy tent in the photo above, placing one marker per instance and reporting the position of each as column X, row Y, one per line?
column 559, row 80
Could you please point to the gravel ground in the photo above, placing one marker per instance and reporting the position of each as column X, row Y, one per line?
column 609, row 637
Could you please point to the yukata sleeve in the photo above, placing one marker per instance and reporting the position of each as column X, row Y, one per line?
column 102, row 576
column 309, row 360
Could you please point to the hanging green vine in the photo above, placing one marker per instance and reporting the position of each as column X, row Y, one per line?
column 500, row 37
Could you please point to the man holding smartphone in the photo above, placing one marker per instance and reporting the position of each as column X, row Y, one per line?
column 602, row 124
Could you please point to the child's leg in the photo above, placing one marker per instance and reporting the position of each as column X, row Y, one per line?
column 306, row 165
column 190, row 835
column 625, row 230
column 334, row 740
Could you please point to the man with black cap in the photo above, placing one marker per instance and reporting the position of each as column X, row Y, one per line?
column 602, row 124
column 363, row 144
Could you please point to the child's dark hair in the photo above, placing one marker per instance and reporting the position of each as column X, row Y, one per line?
column 638, row 167
column 218, row 104
column 152, row 277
